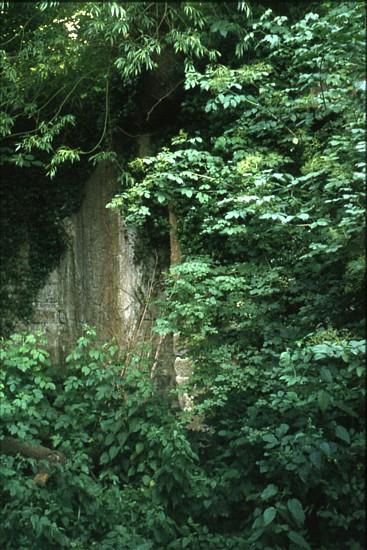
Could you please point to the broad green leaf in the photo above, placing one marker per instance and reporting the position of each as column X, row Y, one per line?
column 342, row 433
column 269, row 438
column 296, row 509
column 161, row 198
column 187, row 192
column 139, row 447
column 282, row 430
column 326, row 374
column 104, row 458
column 146, row 480
column 113, row 452
column 269, row 515
column 122, row 438
column 269, row 491
column 315, row 458
column 323, row 399
column 299, row 540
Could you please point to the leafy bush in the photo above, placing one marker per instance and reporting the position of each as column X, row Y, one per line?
column 128, row 465
column 268, row 195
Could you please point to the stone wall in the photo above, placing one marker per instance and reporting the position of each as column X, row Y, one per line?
column 97, row 281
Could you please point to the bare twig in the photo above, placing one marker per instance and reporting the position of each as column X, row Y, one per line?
column 156, row 356
column 163, row 98
column 105, row 123
column 163, row 18
column 136, row 135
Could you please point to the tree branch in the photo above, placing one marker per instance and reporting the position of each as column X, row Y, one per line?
column 162, row 98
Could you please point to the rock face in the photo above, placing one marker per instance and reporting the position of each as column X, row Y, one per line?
column 97, row 281
column 183, row 368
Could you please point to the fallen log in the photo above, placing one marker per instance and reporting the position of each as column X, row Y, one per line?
column 11, row 446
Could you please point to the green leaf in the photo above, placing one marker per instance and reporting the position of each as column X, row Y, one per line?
column 270, row 438
column 326, row 374
column 110, row 439
column 202, row 197
column 161, row 198
column 315, row 458
column 269, row 491
column 269, row 515
column 104, row 458
column 282, row 430
column 122, row 438
column 323, row 399
column 139, row 447
column 360, row 371
column 325, row 447
column 146, row 480
column 296, row 509
column 342, row 433
column 299, row 540
column 113, row 452
column 303, row 216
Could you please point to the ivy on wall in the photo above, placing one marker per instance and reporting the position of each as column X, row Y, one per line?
column 33, row 237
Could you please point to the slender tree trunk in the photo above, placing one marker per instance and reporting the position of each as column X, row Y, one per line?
column 174, row 242
column 182, row 364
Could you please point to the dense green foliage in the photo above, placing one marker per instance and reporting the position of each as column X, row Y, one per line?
column 278, row 462
column 264, row 169
column 269, row 296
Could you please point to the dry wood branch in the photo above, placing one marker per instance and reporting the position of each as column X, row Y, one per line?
column 156, row 357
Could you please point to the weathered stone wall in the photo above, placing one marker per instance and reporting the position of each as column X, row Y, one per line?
column 97, row 281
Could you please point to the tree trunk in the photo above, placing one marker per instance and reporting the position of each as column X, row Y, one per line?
column 174, row 242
